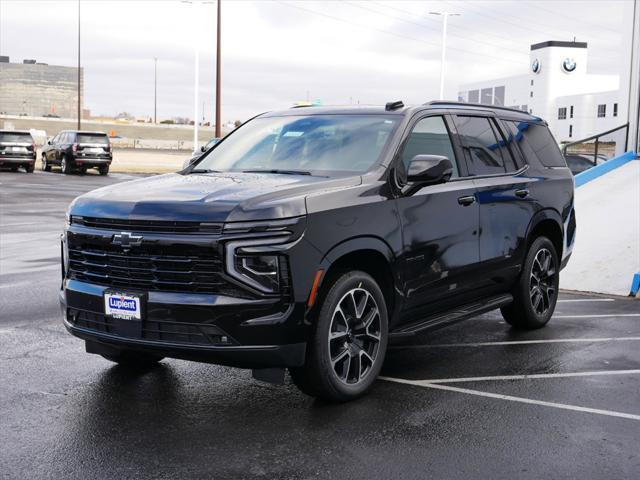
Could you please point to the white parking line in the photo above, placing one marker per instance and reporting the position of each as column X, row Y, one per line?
column 586, row 300
column 424, row 383
column 529, row 401
column 612, row 315
column 517, row 342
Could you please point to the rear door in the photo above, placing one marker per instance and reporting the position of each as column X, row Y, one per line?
column 505, row 197
column 439, row 222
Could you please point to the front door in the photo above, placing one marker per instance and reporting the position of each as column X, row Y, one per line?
column 439, row 223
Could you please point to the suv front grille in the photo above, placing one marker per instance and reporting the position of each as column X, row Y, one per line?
column 155, row 226
column 168, row 268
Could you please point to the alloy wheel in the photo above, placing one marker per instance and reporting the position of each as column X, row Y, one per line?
column 354, row 336
column 542, row 289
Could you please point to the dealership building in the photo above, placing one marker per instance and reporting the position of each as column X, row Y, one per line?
column 37, row 89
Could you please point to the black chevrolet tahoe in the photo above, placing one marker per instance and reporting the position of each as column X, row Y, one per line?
column 17, row 149
column 77, row 151
column 308, row 239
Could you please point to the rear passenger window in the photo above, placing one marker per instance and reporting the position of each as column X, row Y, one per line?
column 485, row 150
column 429, row 137
column 536, row 141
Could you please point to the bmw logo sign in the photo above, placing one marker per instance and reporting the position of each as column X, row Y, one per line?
column 569, row 65
column 535, row 66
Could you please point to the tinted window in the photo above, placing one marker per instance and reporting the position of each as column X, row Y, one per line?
column 483, row 151
column 15, row 137
column 536, row 141
column 92, row 138
column 322, row 143
column 429, row 137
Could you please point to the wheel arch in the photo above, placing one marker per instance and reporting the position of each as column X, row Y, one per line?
column 368, row 254
column 547, row 222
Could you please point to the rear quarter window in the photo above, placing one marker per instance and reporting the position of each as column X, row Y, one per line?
column 536, row 141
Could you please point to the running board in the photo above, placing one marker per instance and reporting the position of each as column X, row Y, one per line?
column 451, row 317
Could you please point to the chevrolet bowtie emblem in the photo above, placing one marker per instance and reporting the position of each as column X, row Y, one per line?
column 126, row 240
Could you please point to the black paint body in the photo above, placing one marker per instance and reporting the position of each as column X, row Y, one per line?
column 432, row 249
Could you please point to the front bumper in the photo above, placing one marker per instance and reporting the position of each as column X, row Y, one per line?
column 206, row 328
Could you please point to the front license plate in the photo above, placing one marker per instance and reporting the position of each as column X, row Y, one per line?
column 123, row 306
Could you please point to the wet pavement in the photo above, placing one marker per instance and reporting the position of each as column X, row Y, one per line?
column 569, row 406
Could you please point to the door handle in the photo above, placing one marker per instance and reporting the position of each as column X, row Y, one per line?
column 523, row 193
column 466, row 201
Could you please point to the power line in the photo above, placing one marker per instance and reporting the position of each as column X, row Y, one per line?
column 491, row 44
column 406, row 37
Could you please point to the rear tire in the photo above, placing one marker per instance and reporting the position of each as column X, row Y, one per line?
column 30, row 167
column 536, row 293
column 129, row 359
column 103, row 170
column 348, row 342
column 14, row 168
column 45, row 165
column 65, row 166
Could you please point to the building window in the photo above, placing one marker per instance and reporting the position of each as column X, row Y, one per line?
column 562, row 113
column 615, row 109
column 531, row 94
column 570, row 131
column 571, row 111
column 474, row 96
column 486, row 96
column 602, row 110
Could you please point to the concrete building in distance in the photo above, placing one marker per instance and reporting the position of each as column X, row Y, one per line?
column 559, row 89
column 38, row 89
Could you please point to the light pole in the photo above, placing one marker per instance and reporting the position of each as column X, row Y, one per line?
column 155, row 89
column 79, row 93
column 445, row 16
column 218, row 72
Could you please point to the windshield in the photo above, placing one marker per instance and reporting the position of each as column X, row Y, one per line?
column 314, row 143
column 15, row 137
column 89, row 138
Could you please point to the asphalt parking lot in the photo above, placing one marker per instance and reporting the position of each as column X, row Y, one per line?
column 476, row 400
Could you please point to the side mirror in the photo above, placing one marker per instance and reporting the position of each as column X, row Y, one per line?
column 189, row 161
column 429, row 170
column 202, row 148
column 48, row 142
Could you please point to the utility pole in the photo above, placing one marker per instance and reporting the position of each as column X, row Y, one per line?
column 155, row 89
column 218, row 76
column 79, row 91
column 445, row 16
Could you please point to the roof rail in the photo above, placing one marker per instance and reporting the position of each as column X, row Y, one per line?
column 467, row 104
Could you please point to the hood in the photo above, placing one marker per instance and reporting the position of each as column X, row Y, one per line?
column 212, row 197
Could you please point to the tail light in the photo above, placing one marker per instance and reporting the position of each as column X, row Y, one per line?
column 109, row 148
column 33, row 146
column 74, row 147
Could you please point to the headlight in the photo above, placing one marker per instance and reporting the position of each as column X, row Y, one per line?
column 261, row 271
column 64, row 255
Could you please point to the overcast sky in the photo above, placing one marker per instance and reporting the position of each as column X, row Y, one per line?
column 277, row 52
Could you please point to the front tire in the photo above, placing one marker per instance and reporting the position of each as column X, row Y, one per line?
column 536, row 294
column 133, row 360
column 348, row 342
column 45, row 165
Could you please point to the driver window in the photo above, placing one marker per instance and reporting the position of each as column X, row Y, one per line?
column 429, row 137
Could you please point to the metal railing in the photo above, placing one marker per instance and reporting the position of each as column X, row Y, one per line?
column 593, row 146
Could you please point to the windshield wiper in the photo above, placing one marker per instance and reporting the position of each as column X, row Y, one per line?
column 204, row 170
column 283, row 172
